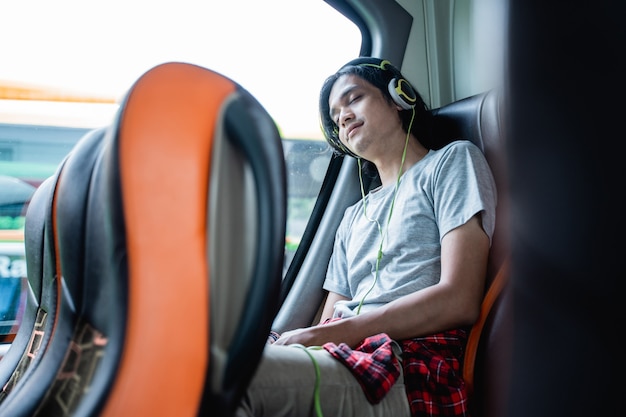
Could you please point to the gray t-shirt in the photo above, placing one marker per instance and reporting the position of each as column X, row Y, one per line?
column 439, row 193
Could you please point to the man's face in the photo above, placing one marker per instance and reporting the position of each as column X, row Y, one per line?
column 363, row 116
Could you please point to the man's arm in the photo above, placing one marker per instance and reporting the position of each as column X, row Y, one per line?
column 454, row 301
column 329, row 305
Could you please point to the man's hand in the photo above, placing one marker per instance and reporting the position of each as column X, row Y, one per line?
column 336, row 331
column 308, row 336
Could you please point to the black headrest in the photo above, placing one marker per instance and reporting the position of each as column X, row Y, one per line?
column 477, row 118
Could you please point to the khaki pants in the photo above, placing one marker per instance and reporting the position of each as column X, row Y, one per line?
column 284, row 385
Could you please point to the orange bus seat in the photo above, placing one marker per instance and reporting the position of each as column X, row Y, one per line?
column 168, row 232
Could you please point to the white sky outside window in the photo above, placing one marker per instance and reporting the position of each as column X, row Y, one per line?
column 279, row 50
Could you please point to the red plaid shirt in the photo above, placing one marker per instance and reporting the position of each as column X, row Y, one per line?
column 431, row 366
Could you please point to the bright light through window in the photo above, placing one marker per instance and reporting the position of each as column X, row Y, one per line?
column 279, row 50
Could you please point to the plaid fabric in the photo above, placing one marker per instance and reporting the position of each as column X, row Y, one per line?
column 433, row 374
column 432, row 368
column 373, row 363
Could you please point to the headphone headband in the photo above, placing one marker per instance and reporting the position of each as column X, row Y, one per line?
column 399, row 88
column 382, row 66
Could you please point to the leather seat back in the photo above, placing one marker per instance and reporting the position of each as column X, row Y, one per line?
column 481, row 119
column 169, row 230
column 34, row 331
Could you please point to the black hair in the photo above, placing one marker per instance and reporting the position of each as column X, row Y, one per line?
column 378, row 74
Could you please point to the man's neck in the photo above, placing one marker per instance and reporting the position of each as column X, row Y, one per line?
column 392, row 169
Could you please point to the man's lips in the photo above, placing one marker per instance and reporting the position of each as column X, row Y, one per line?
column 352, row 129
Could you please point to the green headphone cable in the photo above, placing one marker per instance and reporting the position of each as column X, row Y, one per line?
column 393, row 201
column 316, row 391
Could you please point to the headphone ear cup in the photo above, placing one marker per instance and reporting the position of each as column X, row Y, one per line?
column 402, row 93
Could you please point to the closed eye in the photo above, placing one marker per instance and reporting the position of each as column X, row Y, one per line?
column 354, row 98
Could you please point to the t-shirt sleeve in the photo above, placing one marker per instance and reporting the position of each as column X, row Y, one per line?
column 463, row 187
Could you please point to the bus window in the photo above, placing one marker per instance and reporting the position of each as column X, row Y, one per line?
column 54, row 88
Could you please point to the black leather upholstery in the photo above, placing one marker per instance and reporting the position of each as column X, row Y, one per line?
column 34, row 331
column 481, row 119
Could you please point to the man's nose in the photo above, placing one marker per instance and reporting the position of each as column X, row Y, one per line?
column 345, row 117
